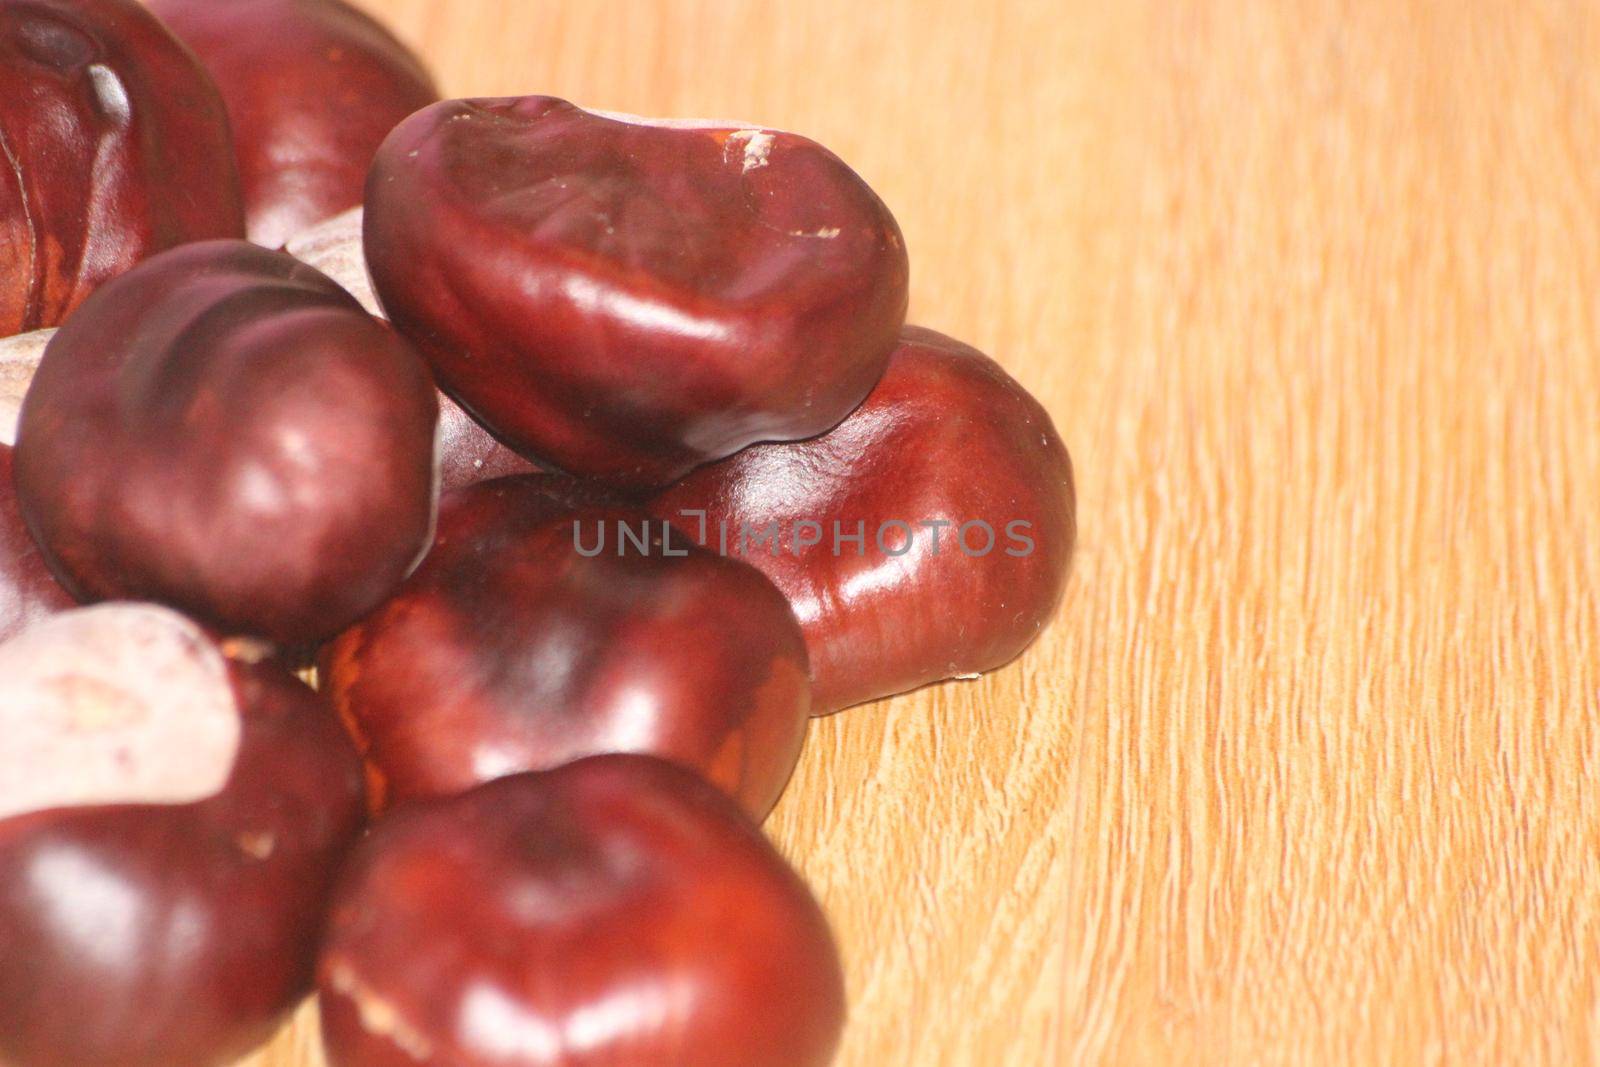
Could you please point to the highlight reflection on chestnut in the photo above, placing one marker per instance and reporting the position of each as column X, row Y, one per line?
column 224, row 429
column 312, row 88
column 170, row 823
column 618, row 910
column 512, row 650
column 659, row 294
column 926, row 537
column 102, row 108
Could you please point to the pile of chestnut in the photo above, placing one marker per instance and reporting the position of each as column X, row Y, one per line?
column 584, row 457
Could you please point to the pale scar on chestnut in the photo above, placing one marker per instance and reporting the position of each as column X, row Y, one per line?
column 117, row 704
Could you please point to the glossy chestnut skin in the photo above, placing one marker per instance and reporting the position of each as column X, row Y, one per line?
column 178, row 934
column 118, row 147
column 947, row 436
column 615, row 911
column 312, row 88
column 510, row 651
column 627, row 300
column 224, row 430
column 28, row 591
column 468, row 453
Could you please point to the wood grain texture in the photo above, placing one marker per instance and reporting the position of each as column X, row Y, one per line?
column 1306, row 771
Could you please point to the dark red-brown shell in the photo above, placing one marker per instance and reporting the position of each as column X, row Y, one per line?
column 312, row 88
column 115, row 146
column 889, row 598
column 512, row 650
column 627, row 300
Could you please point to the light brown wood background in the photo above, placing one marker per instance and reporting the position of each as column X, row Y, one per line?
column 1306, row 772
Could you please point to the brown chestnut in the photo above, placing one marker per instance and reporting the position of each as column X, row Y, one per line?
column 468, row 453
column 223, row 429
column 28, row 591
column 116, row 145
column 541, row 630
column 927, row 537
column 171, row 820
column 615, row 911
column 312, row 88
column 628, row 299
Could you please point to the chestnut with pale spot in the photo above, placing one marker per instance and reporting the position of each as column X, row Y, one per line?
column 171, row 820
column 615, row 911
column 19, row 359
column 626, row 299
column 225, row 430
column 510, row 651
column 115, row 146
column 29, row 593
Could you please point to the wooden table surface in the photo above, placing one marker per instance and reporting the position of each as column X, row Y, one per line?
column 1305, row 773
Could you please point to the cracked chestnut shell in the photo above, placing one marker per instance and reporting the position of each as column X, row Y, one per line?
column 224, row 429
column 118, row 147
column 171, row 820
column 615, row 911
column 28, row 591
column 946, row 438
column 510, row 650
column 628, row 299
column 312, row 88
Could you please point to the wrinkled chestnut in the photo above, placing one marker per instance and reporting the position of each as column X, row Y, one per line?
column 312, row 87
column 467, row 452
column 625, row 299
column 540, row 631
column 28, row 591
column 927, row 537
column 615, row 911
column 224, row 429
column 170, row 824
column 116, row 146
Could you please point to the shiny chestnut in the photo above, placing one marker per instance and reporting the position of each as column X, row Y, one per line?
column 468, row 453
column 615, row 911
column 312, row 88
column 544, row 628
column 116, row 146
column 225, row 430
column 171, row 820
column 926, row 537
column 628, row 299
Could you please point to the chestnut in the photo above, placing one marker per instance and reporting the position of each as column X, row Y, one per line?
column 312, row 88
column 627, row 299
column 28, row 591
column 224, row 430
column 468, row 453
column 117, row 147
column 617, row 910
column 171, row 821
column 546, row 626
column 19, row 359
column 926, row 537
